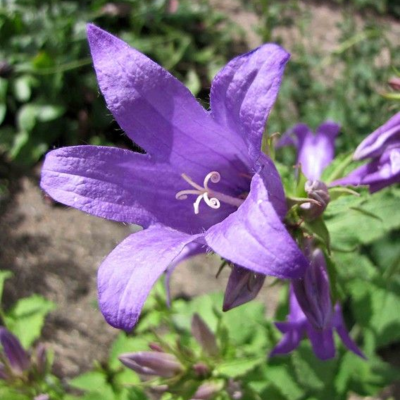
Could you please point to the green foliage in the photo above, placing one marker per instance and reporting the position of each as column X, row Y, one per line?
column 48, row 92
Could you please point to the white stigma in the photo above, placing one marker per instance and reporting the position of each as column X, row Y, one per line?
column 211, row 197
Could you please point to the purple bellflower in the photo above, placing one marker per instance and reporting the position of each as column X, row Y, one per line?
column 314, row 151
column 322, row 340
column 383, row 148
column 202, row 182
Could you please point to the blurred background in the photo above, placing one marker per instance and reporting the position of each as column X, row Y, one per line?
column 343, row 54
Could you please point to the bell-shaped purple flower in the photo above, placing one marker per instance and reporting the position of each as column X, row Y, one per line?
column 203, row 180
column 383, row 148
column 152, row 363
column 243, row 286
column 322, row 341
column 16, row 357
column 313, row 291
column 314, row 151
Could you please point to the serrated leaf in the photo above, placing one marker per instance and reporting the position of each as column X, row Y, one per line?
column 27, row 317
column 238, row 367
column 282, row 379
column 352, row 221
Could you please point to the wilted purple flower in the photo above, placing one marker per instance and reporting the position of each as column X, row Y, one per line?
column 202, row 333
column 236, row 210
column 383, row 147
column 314, row 151
column 15, row 356
column 243, row 286
column 321, row 340
column 313, row 291
column 152, row 363
column 41, row 359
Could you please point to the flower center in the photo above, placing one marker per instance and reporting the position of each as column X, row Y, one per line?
column 211, row 197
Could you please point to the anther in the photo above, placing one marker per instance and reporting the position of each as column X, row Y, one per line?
column 211, row 198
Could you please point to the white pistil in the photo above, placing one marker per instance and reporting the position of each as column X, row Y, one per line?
column 211, row 197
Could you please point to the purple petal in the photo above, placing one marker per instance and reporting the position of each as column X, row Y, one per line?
column 160, row 114
column 127, row 275
column 16, row 356
column 255, row 238
column 378, row 141
column 322, row 342
column 293, row 334
column 244, row 91
column 123, row 186
column 340, row 327
column 243, row 286
column 377, row 174
column 273, row 183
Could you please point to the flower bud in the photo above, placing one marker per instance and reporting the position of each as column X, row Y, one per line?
column 17, row 357
column 313, row 292
column 42, row 396
column 394, row 83
column 201, row 369
column 206, row 391
column 201, row 332
column 41, row 359
column 152, row 363
column 318, row 191
column 243, row 286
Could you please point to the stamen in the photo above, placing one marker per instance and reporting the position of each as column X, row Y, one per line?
column 211, row 198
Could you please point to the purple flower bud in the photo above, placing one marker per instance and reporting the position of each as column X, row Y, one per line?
column 42, row 396
column 17, row 357
column 41, row 359
column 202, row 333
column 243, row 286
column 206, row 391
column 152, row 363
column 313, row 292
column 318, row 191
column 201, row 369
column 234, row 389
column 394, row 83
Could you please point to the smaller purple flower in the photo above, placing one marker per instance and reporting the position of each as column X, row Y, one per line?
column 243, row 286
column 15, row 355
column 152, row 363
column 313, row 291
column 321, row 340
column 383, row 148
column 314, row 151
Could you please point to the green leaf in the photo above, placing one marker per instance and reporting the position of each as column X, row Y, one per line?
column 284, row 381
column 238, row 367
column 4, row 275
column 90, row 381
column 27, row 117
column 49, row 112
column 22, row 88
column 27, row 317
column 351, row 221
